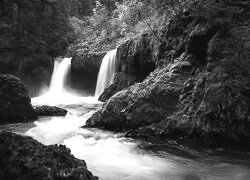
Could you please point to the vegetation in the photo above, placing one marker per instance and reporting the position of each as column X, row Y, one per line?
column 38, row 26
column 31, row 34
column 112, row 23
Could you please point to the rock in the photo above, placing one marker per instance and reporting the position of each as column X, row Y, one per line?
column 199, row 37
column 200, row 89
column 214, row 105
column 136, row 58
column 141, row 104
column 121, row 81
column 25, row 158
column 15, row 104
column 84, row 69
column 50, row 111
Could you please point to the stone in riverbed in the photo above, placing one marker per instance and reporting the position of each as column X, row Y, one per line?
column 25, row 158
column 50, row 111
column 15, row 103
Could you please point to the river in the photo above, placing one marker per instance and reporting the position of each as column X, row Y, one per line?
column 112, row 157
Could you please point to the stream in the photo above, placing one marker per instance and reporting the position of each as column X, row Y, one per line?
column 112, row 157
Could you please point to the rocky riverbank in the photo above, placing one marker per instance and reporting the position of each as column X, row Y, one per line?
column 25, row 158
column 199, row 91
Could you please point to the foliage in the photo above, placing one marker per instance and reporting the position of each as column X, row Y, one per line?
column 113, row 21
column 45, row 27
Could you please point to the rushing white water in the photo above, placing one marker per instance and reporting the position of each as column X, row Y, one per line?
column 106, row 72
column 58, row 92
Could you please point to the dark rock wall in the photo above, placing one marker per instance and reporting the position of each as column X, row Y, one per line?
column 200, row 90
column 15, row 103
column 136, row 58
column 84, row 70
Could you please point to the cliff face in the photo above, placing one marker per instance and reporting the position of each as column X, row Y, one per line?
column 84, row 70
column 200, row 90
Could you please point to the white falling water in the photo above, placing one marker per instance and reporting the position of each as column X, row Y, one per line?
column 106, row 72
column 59, row 76
column 58, row 92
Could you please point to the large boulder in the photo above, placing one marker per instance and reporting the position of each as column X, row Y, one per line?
column 200, row 90
column 143, row 103
column 25, row 158
column 15, row 103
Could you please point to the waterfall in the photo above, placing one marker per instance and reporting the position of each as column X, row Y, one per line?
column 106, row 72
column 58, row 93
column 59, row 76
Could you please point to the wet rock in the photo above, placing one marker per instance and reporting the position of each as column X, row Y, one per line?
column 50, row 111
column 88, row 62
column 84, row 69
column 136, row 58
column 121, row 81
column 15, row 103
column 141, row 104
column 25, row 158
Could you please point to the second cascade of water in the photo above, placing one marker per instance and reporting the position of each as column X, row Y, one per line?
column 59, row 76
column 106, row 72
